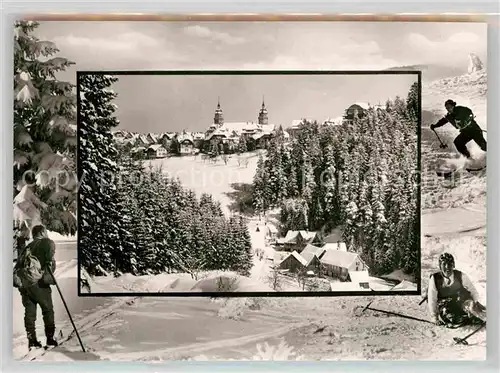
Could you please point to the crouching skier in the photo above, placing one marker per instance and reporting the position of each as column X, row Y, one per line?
column 452, row 298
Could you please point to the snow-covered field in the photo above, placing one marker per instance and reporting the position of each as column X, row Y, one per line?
column 206, row 177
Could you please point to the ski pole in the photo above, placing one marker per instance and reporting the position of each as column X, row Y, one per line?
column 463, row 340
column 67, row 309
column 442, row 144
column 398, row 314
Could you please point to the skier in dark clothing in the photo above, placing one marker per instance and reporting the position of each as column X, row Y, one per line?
column 462, row 118
column 452, row 298
column 40, row 294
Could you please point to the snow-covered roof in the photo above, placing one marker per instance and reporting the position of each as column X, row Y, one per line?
column 144, row 139
column 359, row 276
column 291, row 236
column 310, row 251
column 339, row 258
column 198, row 135
column 181, row 137
column 297, row 256
column 155, row 147
column 153, row 136
column 297, row 122
column 363, row 105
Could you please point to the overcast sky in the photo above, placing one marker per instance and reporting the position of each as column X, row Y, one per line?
column 254, row 45
column 161, row 103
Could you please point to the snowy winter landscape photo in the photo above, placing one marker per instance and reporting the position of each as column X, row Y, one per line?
column 225, row 218
column 266, row 203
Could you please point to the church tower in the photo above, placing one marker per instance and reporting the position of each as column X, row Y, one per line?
column 263, row 113
column 219, row 117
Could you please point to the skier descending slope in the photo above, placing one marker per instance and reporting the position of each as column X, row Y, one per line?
column 462, row 118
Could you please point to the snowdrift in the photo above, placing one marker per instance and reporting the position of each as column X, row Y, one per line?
column 177, row 282
column 230, row 282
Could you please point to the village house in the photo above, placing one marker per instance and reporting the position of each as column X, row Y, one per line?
column 156, row 151
column 333, row 121
column 141, row 140
column 297, row 125
column 312, row 255
column 262, row 139
column 139, row 152
column 119, row 135
column 186, row 143
column 294, row 262
column 359, row 109
column 166, row 139
column 198, row 139
column 271, row 232
column 297, row 240
column 338, row 264
column 152, row 138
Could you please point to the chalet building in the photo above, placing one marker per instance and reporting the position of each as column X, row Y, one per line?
column 152, row 138
column 156, row 151
column 271, row 232
column 119, row 135
column 141, row 140
column 139, row 151
column 296, row 126
column 338, row 264
column 165, row 139
column 186, row 143
column 198, row 139
column 294, row 262
column 297, row 240
column 358, row 109
column 312, row 255
column 262, row 139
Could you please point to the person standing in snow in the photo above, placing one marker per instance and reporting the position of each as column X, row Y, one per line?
column 462, row 118
column 43, row 248
column 451, row 296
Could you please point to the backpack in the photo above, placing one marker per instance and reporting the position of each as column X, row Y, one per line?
column 28, row 270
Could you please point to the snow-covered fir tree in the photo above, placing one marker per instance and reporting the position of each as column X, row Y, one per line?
column 45, row 180
column 100, row 218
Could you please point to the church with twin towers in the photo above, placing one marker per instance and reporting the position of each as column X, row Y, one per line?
column 261, row 119
column 230, row 132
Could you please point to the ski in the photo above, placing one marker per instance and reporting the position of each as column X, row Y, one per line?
column 475, row 169
column 35, row 353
